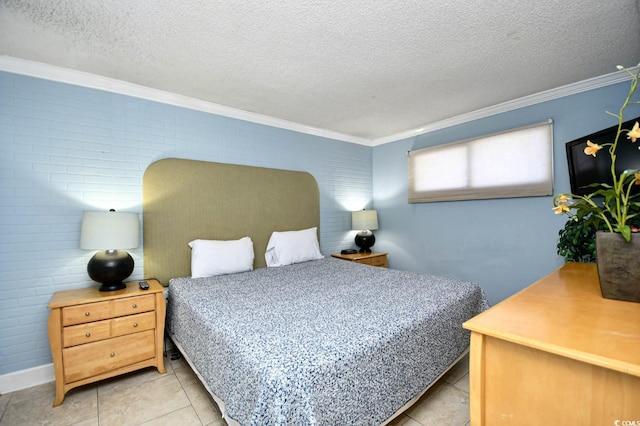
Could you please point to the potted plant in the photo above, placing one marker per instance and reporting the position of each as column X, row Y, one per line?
column 577, row 240
column 614, row 208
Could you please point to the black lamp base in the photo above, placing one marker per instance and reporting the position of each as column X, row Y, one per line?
column 110, row 268
column 112, row 286
column 365, row 240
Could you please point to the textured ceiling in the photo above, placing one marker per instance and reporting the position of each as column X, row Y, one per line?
column 362, row 68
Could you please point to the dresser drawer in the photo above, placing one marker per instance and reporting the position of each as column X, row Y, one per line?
column 96, row 358
column 86, row 333
column 134, row 305
column 86, row 313
column 133, row 324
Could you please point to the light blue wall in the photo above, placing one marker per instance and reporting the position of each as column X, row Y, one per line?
column 65, row 149
column 503, row 244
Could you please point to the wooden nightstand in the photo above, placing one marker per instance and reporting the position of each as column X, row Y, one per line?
column 96, row 335
column 373, row 259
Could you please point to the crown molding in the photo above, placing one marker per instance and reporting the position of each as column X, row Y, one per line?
column 548, row 95
column 84, row 79
column 93, row 81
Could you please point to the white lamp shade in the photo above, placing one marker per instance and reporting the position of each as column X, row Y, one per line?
column 364, row 220
column 109, row 230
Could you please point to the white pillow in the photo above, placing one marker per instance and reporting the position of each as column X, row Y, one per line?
column 286, row 248
column 214, row 257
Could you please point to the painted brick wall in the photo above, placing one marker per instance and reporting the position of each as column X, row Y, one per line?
column 65, row 149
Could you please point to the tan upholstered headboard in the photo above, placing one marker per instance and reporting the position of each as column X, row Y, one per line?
column 185, row 200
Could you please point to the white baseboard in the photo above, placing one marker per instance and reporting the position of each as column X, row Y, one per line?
column 23, row 379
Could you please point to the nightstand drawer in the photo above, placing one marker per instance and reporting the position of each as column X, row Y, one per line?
column 133, row 324
column 100, row 330
column 86, row 333
column 378, row 261
column 86, row 313
column 133, row 305
column 372, row 259
column 95, row 358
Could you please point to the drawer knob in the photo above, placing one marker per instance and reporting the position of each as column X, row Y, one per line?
column 135, row 305
column 87, row 334
column 113, row 354
column 135, row 324
column 86, row 314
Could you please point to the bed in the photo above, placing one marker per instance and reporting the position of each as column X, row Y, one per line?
column 315, row 341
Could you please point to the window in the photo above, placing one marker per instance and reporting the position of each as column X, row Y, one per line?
column 515, row 163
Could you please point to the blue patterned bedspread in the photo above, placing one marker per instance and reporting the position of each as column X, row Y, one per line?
column 326, row 342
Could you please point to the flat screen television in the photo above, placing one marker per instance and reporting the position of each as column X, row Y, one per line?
column 586, row 169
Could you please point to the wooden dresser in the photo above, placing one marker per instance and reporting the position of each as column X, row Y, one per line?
column 95, row 335
column 373, row 259
column 556, row 353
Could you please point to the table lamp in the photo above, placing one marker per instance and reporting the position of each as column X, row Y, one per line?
column 364, row 221
column 110, row 232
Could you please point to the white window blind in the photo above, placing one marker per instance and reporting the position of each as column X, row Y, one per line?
column 515, row 163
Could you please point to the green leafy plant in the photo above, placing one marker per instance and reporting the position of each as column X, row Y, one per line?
column 577, row 241
column 610, row 207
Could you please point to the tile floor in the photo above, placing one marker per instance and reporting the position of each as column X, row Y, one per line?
column 148, row 398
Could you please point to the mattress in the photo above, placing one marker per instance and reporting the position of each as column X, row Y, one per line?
column 324, row 342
